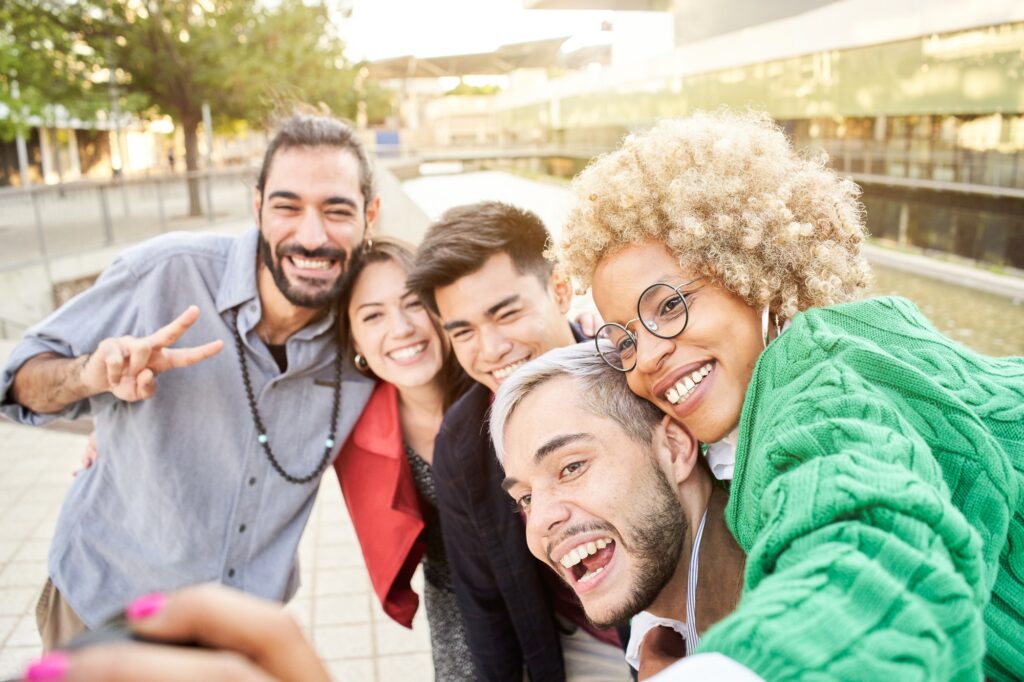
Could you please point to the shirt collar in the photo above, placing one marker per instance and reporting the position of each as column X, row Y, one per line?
column 721, row 456
column 640, row 625
column 238, row 284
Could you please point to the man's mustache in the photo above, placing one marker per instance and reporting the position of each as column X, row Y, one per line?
column 580, row 529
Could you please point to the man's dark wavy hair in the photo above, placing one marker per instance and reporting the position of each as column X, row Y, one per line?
column 462, row 240
column 318, row 129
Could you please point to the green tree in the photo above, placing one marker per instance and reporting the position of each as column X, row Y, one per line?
column 42, row 66
column 243, row 58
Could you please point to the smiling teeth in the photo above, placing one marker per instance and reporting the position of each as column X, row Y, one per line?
column 685, row 386
column 590, row 575
column 408, row 351
column 306, row 264
column 578, row 554
column 504, row 372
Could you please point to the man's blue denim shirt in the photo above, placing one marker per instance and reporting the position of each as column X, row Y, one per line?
column 182, row 492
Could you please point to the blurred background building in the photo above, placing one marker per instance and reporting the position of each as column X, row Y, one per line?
column 920, row 102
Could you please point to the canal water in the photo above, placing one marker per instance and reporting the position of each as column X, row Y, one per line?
column 985, row 322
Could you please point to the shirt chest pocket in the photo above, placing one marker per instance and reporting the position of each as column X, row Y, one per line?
column 325, row 381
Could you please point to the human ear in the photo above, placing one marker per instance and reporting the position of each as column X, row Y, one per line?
column 257, row 204
column 372, row 213
column 678, row 450
column 560, row 288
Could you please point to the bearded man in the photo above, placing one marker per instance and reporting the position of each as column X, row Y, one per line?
column 211, row 477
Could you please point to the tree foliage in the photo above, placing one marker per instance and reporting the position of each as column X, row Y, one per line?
column 244, row 58
column 47, row 63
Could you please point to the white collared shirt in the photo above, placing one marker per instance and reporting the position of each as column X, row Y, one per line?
column 721, row 456
column 640, row 625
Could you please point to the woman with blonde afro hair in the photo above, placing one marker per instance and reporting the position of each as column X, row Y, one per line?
column 876, row 466
column 732, row 199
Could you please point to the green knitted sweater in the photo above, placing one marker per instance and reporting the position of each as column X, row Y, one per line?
column 879, row 495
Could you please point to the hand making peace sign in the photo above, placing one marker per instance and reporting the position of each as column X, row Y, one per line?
column 127, row 366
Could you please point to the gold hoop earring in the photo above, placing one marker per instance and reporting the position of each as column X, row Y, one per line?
column 361, row 364
column 764, row 326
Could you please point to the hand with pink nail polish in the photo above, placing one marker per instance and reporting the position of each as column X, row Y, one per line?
column 49, row 668
column 240, row 637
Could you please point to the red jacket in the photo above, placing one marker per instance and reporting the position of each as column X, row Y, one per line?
column 376, row 482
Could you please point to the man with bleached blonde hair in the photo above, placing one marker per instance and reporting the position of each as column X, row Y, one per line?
column 618, row 502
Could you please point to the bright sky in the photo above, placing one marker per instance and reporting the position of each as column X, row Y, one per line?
column 379, row 29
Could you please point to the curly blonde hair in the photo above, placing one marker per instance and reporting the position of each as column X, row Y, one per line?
column 728, row 195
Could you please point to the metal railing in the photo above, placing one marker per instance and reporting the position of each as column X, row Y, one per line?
column 40, row 223
column 972, row 169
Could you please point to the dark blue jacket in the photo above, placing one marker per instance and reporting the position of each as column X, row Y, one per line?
column 506, row 609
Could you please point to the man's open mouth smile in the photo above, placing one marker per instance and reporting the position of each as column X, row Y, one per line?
column 586, row 560
column 312, row 268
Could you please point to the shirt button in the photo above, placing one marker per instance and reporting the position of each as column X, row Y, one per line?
column 241, row 529
column 252, row 481
column 231, row 573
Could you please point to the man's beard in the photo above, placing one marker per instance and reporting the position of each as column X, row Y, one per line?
column 319, row 297
column 656, row 545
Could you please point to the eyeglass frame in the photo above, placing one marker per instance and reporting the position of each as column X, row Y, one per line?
column 635, row 337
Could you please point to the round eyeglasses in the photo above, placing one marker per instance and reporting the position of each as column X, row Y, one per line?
column 663, row 311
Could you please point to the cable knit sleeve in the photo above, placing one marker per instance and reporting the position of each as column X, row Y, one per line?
column 874, row 506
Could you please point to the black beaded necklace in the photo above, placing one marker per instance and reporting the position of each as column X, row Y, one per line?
column 262, row 437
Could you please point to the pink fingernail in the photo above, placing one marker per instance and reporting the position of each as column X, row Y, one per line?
column 49, row 668
column 146, row 606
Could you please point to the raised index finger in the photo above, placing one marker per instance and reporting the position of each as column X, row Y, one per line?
column 186, row 357
column 165, row 336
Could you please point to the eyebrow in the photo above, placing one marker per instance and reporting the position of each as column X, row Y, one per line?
column 557, row 443
column 490, row 312
column 552, row 445
column 329, row 201
column 368, row 304
column 334, row 201
column 283, row 194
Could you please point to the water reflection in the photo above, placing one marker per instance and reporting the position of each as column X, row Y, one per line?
column 993, row 325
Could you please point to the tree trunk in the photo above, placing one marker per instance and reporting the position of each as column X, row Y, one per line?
column 190, row 127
